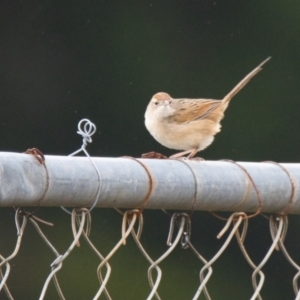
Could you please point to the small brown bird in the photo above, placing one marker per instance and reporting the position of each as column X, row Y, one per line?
column 189, row 124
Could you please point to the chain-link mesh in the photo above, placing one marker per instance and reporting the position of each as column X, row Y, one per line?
column 179, row 236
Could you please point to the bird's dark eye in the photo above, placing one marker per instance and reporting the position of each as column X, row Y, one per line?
column 156, row 103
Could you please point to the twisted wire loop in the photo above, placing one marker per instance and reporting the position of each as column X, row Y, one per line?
column 86, row 129
column 5, row 260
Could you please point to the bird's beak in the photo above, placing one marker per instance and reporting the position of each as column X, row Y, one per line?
column 167, row 102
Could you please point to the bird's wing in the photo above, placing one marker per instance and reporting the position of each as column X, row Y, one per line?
column 188, row 110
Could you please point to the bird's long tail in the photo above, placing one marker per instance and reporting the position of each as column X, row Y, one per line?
column 244, row 81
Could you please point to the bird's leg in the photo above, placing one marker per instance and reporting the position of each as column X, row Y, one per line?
column 180, row 154
column 191, row 153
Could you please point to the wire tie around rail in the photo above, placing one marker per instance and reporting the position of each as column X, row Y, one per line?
column 258, row 211
column 86, row 129
column 38, row 154
column 151, row 181
column 184, row 161
column 291, row 201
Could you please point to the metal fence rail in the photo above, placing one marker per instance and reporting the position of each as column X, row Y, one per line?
column 149, row 183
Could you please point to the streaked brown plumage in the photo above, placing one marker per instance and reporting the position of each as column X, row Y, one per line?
column 189, row 124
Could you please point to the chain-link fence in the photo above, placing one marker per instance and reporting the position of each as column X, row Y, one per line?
column 179, row 236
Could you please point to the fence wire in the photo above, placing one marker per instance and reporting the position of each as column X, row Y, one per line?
column 179, row 236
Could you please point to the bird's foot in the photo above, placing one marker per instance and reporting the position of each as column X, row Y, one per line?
column 197, row 159
column 154, row 154
column 191, row 153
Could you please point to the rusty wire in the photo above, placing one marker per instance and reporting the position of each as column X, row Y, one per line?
column 172, row 245
column 249, row 181
column 38, row 154
column 204, row 279
column 125, row 233
column 57, row 263
column 150, row 183
column 136, row 236
column 5, row 260
column 179, row 235
column 293, row 187
column 274, row 230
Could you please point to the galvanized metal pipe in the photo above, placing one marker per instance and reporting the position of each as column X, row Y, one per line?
column 149, row 183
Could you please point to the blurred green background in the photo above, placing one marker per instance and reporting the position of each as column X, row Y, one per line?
column 62, row 61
